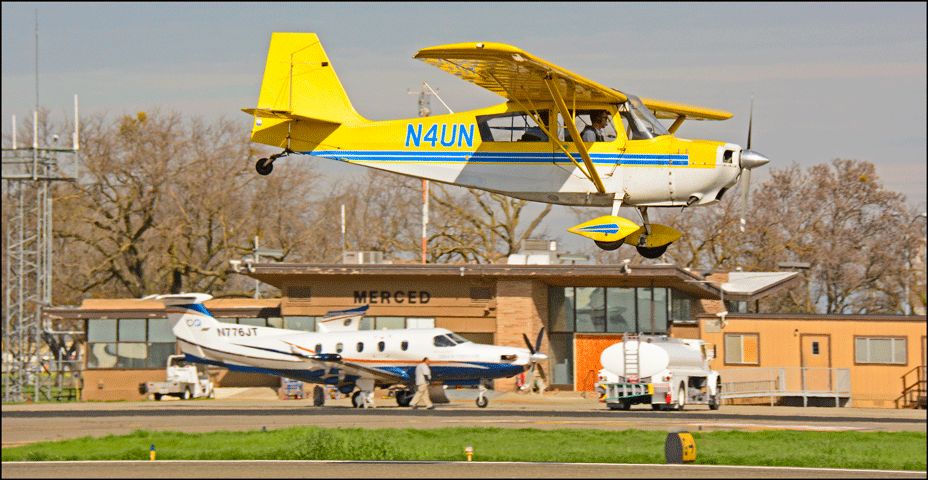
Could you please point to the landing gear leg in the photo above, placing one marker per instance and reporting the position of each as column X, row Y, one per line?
column 643, row 250
column 482, row 400
column 616, row 204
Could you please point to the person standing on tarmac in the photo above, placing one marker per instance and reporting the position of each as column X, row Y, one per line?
column 423, row 377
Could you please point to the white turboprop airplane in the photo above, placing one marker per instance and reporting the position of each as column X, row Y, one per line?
column 342, row 355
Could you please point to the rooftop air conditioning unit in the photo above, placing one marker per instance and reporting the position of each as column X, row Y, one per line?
column 358, row 258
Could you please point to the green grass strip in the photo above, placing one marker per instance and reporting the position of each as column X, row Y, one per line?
column 866, row 450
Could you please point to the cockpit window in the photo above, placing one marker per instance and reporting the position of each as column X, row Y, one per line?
column 640, row 123
column 457, row 338
column 443, row 341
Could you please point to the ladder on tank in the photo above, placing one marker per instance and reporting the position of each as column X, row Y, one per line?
column 630, row 345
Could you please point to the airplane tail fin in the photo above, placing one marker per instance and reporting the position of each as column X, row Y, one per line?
column 186, row 312
column 299, row 85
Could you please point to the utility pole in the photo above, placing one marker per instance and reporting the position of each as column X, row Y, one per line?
column 425, row 109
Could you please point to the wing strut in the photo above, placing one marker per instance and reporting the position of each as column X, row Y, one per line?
column 574, row 134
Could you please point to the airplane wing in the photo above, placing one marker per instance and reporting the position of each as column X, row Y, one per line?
column 332, row 360
column 514, row 73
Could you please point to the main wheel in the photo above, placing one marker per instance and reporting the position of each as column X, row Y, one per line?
column 158, row 397
column 264, row 166
column 482, row 401
column 403, row 398
column 356, row 399
column 622, row 405
column 609, row 245
column 318, row 396
column 186, row 395
column 652, row 252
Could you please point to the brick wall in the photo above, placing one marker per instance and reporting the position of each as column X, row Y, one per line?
column 522, row 306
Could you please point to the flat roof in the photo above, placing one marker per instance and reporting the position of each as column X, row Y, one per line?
column 282, row 274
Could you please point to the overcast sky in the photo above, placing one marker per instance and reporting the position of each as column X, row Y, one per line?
column 830, row 80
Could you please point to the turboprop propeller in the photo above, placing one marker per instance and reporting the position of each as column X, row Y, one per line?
column 749, row 161
column 536, row 357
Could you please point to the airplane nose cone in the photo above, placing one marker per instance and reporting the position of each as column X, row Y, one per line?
column 751, row 159
column 538, row 357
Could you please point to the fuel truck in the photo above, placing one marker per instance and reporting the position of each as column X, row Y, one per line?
column 668, row 373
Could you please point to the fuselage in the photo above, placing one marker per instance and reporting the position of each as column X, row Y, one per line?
column 395, row 352
column 459, row 149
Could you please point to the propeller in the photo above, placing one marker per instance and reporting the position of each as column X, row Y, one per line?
column 749, row 161
column 535, row 357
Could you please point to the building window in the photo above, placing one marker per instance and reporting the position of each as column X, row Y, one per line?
column 742, row 349
column 612, row 310
column 253, row 321
column 681, row 307
column 561, row 308
column 306, row 324
column 880, row 350
column 389, row 323
column 562, row 358
column 591, row 309
column 420, row 323
column 130, row 343
column 620, row 314
column 132, row 329
column 480, row 294
column 102, row 330
column 101, row 355
column 159, row 330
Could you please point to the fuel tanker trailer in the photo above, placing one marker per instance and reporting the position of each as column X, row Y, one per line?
column 669, row 373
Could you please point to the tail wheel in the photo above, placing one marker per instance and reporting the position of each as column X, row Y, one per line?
column 609, row 245
column 264, row 166
column 652, row 252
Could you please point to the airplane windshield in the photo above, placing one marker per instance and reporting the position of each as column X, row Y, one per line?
column 457, row 338
column 443, row 341
column 640, row 123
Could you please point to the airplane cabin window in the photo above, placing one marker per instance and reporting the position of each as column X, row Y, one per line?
column 404, row 345
column 339, row 347
column 511, row 127
column 443, row 341
column 457, row 338
column 381, row 346
column 581, row 121
column 318, row 348
column 360, row 347
column 640, row 122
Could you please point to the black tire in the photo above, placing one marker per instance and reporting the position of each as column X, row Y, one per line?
column 356, row 399
column 652, row 252
column 656, row 406
column 681, row 399
column 621, row 405
column 482, row 401
column 403, row 398
column 158, row 397
column 318, row 396
column 264, row 166
column 715, row 401
column 609, row 245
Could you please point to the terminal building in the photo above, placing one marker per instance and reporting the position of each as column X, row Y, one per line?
column 856, row 360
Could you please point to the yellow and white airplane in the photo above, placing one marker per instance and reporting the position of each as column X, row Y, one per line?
column 559, row 138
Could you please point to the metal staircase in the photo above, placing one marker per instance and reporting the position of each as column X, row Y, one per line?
column 914, row 390
column 630, row 345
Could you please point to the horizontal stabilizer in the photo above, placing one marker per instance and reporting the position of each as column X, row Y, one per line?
column 282, row 115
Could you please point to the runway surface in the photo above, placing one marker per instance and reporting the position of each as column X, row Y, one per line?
column 22, row 424
column 327, row 469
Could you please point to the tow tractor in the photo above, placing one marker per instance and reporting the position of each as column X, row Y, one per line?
column 184, row 381
column 668, row 373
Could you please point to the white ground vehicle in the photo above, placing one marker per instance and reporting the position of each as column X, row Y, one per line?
column 668, row 373
column 184, row 381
